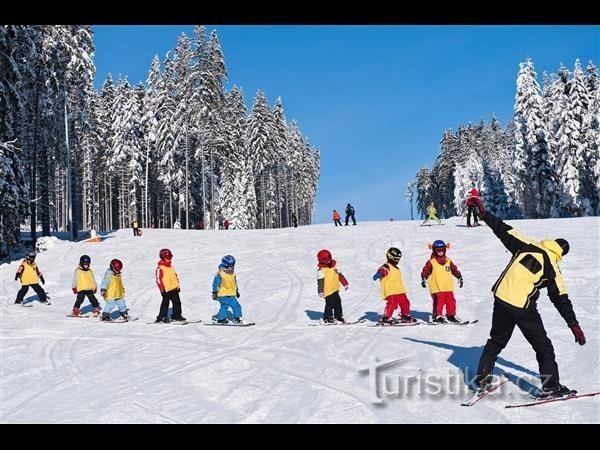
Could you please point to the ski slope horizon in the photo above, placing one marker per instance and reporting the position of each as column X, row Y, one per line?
column 56, row 369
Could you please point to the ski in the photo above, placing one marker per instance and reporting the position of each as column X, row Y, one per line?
column 79, row 317
column 466, row 322
column 173, row 322
column 326, row 324
column 397, row 325
column 133, row 319
column 21, row 305
column 555, row 399
column 248, row 324
column 478, row 396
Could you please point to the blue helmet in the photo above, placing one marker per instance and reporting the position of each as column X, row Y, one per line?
column 438, row 244
column 85, row 259
column 228, row 261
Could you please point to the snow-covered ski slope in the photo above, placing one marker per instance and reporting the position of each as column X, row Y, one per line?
column 57, row 369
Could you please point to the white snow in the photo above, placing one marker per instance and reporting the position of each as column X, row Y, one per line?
column 56, row 369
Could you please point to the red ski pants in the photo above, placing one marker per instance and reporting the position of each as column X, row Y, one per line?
column 395, row 301
column 441, row 299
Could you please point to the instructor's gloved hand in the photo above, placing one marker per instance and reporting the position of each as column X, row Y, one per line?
column 214, row 296
column 423, row 282
column 578, row 333
column 460, row 282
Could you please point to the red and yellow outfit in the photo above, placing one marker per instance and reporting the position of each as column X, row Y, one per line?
column 439, row 271
column 393, row 290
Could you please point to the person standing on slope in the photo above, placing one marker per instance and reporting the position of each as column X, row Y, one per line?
column 168, row 285
column 534, row 266
column 225, row 291
column 471, row 209
column 431, row 214
column 30, row 276
column 438, row 272
column 329, row 278
column 84, row 285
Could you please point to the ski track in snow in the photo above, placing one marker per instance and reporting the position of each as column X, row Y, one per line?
column 57, row 369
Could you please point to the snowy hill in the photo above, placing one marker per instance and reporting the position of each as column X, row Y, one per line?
column 58, row 369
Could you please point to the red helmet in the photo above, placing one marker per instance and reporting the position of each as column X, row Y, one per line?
column 324, row 257
column 165, row 253
column 116, row 265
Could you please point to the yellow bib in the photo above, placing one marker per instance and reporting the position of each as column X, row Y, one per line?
column 115, row 288
column 392, row 283
column 29, row 275
column 169, row 278
column 228, row 286
column 85, row 280
column 440, row 279
column 331, row 280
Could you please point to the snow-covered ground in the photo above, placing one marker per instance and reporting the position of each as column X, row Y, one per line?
column 57, row 369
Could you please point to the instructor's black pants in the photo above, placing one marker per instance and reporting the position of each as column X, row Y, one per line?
column 333, row 307
column 36, row 287
column 504, row 319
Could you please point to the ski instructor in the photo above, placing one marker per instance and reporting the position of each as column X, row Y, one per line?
column 534, row 266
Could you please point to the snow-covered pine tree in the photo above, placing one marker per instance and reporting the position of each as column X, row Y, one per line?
column 423, row 190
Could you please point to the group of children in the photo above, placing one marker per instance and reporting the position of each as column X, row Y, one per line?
column 225, row 289
column 437, row 273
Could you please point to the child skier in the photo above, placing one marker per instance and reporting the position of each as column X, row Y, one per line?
column 337, row 218
column 431, row 214
column 113, row 292
column 84, row 285
column 29, row 275
column 168, row 284
column 392, row 289
column 438, row 270
column 329, row 278
column 225, row 290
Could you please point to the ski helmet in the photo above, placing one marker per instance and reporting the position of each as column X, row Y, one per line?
column 439, row 247
column 165, row 253
column 324, row 256
column 394, row 254
column 85, row 260
column 116, row 265
column 563, row 244
column 30, row 255
column 228, row 261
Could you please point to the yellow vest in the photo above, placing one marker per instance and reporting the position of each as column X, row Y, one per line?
column 331, row 280
column 85, row 280
column 392, row 283
column 29, row 275
column 440, row 279
column 135, row 224
column 523, row 277
column 169, row 278
column 228, row 286
column 115, row 288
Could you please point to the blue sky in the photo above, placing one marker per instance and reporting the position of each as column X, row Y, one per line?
column 374, row 99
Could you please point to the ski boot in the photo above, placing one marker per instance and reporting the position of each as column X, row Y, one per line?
column 106, row 317
column 125, row 315
column 238, row 321
column 453, row 319
column 407, row 319
column 178, row 319
column 440, row 319
column 483, row 384
column 386, row 321
column 555, row 391
column 341, row 320
column 162, row 319
column 75, row 312
column 97, row 311
column 220, row 321
column 328, row 320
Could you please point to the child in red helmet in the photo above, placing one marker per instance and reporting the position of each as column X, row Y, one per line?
column 168, row 284
column 393, row 290
column 113, row 292
column 438, row 270
column 329, row 278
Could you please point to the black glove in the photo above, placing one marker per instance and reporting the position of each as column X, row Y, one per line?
column 42, row 279
column 578, row 333
column 423, row 282
column 460, row 282
column 237, row 294
column 214, row 296
column 178, row 289
column 17, row 277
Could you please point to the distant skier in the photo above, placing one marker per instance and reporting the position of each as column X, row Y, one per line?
column 226, row 224
column 329, row 278
column 29, row 275
column 534, row 266
column 431, row 214
column 337, row 218
column 177, row 225
column 471, row 210
column 350, row 213
column 393, row 290
column 438, row 270
column 220, row 220
column 134, row 225
column 113, row 291
column 294, row 220
column 168, row 285
column 84, row 285
column 225, row 291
